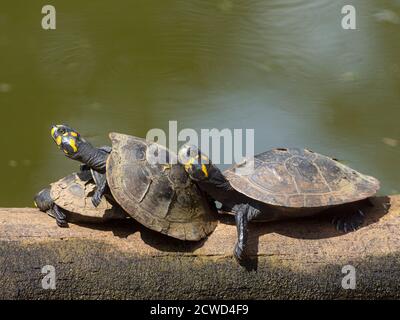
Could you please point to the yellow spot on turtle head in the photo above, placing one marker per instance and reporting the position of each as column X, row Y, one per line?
column 58, row 140
column 53, row 130
column 189, row 163
column 204, row 169
column 73, row 145
column 74, row 134
column 35, row 204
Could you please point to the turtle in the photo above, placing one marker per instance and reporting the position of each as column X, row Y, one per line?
column 93, row 159
column 278, row 184
column 146, row 180
column 68, row 199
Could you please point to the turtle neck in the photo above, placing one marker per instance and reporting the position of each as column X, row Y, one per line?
column 95, row 158
column 219, row 188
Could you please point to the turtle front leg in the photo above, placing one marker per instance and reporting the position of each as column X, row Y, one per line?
column 99, row 192
column 244, row 214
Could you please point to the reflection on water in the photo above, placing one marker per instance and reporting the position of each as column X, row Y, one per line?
column 283, row 67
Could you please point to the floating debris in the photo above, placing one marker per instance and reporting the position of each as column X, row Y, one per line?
column 264, row 66
column 226, row 5
column 390, row 142
column 5, row 87
column 13, row 163
column 387, row 16
column 348, row 76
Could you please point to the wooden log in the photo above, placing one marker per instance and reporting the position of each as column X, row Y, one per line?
column 300, row 259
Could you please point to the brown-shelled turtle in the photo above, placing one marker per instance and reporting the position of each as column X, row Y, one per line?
column 69, row 199
column 283, row 183
column 160, row 195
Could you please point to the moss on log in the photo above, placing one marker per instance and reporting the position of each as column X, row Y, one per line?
column 300, row 259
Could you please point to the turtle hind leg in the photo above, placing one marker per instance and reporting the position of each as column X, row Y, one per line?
column 349, row 222
column 59, row 215
column 244, row 214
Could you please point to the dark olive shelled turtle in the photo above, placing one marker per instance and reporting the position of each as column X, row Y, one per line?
column 284, row 183
column 158, row 195
column 69, row 199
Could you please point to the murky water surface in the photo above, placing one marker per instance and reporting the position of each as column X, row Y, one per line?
column 283, row 67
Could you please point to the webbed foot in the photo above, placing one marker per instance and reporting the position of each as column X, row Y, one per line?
column 96, row 199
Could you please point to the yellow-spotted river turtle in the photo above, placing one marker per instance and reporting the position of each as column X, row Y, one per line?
column 283, row 183
column 69, row 199
column 157, row 194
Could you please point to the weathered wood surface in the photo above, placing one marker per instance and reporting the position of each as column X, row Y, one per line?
column 291, row 259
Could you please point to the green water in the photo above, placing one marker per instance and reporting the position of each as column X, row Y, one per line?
column 285, row 68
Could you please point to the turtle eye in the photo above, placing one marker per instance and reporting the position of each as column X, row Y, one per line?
column 188, row 152
column 61, row 131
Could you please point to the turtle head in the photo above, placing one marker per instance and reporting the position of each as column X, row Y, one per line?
column 67, row 139
column 196, row 164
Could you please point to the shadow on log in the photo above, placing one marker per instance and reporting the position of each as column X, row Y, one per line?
column 300, row 259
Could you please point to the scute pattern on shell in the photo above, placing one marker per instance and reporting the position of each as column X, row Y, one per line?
column 73, row 193
column 301, row 178
column 159, row 196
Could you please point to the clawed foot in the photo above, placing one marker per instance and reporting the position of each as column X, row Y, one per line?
column 61, row 218
column 245, row 261
column 62, row 223
column 96, row 199
column 349, row 223
column 238, row 253
column 84, row 167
